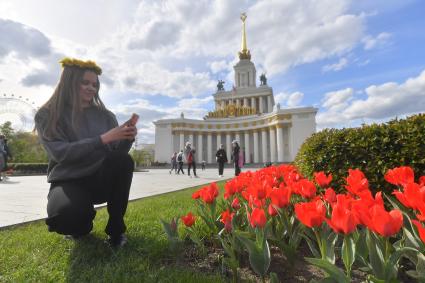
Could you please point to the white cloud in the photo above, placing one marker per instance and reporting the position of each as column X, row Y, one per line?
column 380, row 40
column 382, row 102
column 337, row 99
column 289, row 100
column 341, row 64
column 218, row 66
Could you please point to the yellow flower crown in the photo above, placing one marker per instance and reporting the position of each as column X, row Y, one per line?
column 72, row 62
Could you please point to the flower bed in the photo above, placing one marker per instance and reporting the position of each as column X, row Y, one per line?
column 275, row 208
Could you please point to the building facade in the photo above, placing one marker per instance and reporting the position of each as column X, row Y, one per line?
column 247, row 113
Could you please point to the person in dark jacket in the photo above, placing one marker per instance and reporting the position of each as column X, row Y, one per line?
column 180, row 162
column 221, row 158
column 88, row 155
column 235, row 157
column 191, row 162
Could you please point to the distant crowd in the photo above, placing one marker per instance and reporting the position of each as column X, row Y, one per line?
column 188, row 156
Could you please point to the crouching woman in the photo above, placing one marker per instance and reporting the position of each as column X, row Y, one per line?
column 88, row 155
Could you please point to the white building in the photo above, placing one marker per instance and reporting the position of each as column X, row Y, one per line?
column 248, row 114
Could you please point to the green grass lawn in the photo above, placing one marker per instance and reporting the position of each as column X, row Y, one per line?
column 29, row 253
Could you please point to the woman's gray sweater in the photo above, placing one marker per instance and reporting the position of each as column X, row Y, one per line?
column 75, row 154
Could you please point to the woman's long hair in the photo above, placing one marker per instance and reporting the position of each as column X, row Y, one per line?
column 66, row 97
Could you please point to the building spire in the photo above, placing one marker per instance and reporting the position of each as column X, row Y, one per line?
column 244, row 53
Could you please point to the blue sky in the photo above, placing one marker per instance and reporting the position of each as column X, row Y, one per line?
column 357, row 61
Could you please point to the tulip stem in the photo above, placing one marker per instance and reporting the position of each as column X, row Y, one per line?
column 387, row 249
column 319, row 243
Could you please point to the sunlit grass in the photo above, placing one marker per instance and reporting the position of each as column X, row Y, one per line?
column 29, row 253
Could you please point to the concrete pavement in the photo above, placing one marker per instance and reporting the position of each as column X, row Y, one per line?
column 24, row 198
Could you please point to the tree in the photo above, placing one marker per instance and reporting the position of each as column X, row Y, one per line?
column 24, row 146
column 142, row 157
column 6, row 129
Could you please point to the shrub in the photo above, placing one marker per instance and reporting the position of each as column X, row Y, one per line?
column 372, row 148
column 29, row 168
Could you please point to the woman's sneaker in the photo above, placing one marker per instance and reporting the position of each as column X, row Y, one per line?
column 117, row 241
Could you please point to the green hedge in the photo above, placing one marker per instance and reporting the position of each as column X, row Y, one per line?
column 28, row 168
column 372, row 148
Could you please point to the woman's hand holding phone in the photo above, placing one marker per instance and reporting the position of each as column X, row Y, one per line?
column 126, row 131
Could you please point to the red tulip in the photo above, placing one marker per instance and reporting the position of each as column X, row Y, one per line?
column 422, row 181
column 383, row 222
column 400, row 176
column 235, row 204
column 421, row 229
column 226, row 219
column 343, row 219
column 229, row 189
column 357, row 184
column 330, row 195
column 311, row 214
column 209, row 193
column 305, row 188
column 257, row 190
column 196, row 194
column 280, row 197
column 411, row 196
column 257, row 218
column 188, row 219
column 321, row 179
column 272, row 210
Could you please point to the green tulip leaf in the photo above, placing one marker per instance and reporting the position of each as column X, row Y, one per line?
column 259, row 257
column 333, row 271
column 348, row 252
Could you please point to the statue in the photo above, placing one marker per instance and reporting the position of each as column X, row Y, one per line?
column 220, row 86
column 263, row 79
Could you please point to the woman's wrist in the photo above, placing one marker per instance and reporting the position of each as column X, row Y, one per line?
column 104, row 139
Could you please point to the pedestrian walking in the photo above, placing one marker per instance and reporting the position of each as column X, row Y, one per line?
column 174, row 163
column 235, row 157
column 221, row 158
column 191, row 162
column 180, row 162
column 203, row 165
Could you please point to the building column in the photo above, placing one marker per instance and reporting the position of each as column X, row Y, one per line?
column 269, row 104
column 272, row 144
column 247, row 151
column 261, row 106
column 245, row 102
column 229, row 147
column 191, row 139
column 238, row 102
column 181, row 141
column 253, row 103
column 238, row 138
column 209, row 148
column 264, row 144
column 218, row 140
column 256, row 147
column 280, row 145
column 199, row 149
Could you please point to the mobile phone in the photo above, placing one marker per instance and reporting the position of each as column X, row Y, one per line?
column 133, row 120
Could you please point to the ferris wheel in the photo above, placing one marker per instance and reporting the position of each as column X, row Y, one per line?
column 18, row 110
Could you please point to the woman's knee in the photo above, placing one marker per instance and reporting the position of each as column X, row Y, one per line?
column 69, row 210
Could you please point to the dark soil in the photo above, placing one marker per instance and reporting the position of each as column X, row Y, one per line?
column 210, row 260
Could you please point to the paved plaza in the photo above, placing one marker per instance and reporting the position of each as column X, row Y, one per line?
column 23, row 198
